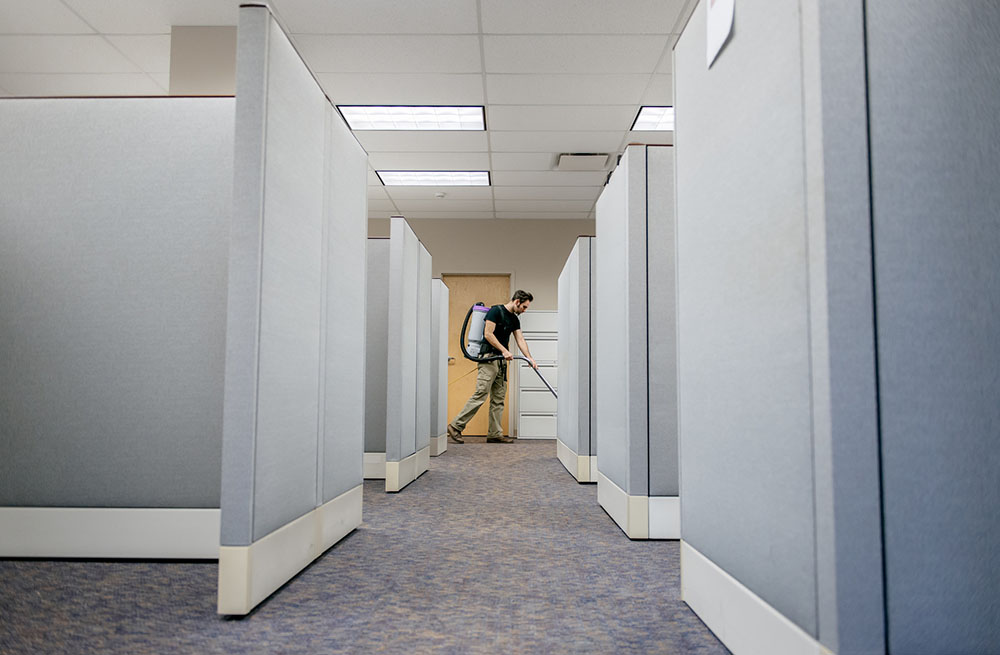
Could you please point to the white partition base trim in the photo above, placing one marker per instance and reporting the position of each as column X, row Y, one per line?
column 579, row 466
column 631, row 513
column 374, row 466
column 593, row 468
column 249, row 574
column 664, row 517
column 399, row 474
column 109, row 532
column 741, row 619
column 439, row 444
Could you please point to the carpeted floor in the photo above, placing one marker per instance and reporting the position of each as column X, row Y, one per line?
column 496, row 549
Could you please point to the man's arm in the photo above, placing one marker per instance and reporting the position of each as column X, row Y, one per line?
column 519, row 338
column 493, row 341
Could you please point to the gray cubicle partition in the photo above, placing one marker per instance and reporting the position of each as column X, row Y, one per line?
column 635, row 352
column 439, row 367
column 114, row 232
column 293, row 429
column 576, row 444
column 376, row 358
column 407, row 441
column 838, row 353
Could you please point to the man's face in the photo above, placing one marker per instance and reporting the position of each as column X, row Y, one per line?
column 520, row 306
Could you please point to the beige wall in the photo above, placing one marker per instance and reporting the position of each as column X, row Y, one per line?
column 532, row 251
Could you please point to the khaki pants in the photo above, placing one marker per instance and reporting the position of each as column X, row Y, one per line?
column 489, row 382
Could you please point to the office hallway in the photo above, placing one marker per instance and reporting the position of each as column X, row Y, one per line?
column 494, row 549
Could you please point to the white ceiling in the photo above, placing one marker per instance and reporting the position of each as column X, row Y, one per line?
column 555, row 76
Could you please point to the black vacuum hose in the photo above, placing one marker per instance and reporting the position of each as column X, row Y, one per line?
column 462, row 339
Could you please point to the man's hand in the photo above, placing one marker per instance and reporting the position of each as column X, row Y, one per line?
column 533, row 364
column 507, row 355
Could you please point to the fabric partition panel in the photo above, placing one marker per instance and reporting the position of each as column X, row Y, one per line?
column 634, row 335
column 293, row 425
column 376, row 350
column 937, row 284
column 114, row 232
column 439, row 367
column 779, row 459
column 404, row 460
column 573, row 418
column 346, row 265
column 424, row 391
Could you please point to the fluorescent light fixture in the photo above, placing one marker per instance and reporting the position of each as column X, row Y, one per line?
column 396, row 117
column 655, row 118
column 434, row 178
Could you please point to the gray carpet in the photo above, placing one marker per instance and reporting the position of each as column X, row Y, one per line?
column 496, row 549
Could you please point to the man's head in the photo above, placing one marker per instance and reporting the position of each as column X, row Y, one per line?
column 521, row 300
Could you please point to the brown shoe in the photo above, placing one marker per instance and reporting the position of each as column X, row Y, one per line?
column 454, row 434
column 499, row 440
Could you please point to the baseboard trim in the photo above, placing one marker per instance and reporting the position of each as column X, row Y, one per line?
column 374, row 466
column 631, row 513
column 579, row 466
column 249, row 574
column 109, row 532
column 401, row 473
column 640, row 517
column 664, row 517
column 439, row 445
column 741, row 619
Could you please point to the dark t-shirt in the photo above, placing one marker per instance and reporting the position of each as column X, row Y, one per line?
column 506, row 324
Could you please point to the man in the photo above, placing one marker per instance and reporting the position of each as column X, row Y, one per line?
column 501, row 322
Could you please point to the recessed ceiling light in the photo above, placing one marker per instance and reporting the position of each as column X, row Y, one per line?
column 655, row 118
column 434, row 178
column 396, row 117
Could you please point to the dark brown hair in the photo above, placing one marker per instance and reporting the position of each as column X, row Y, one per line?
column 521, row 296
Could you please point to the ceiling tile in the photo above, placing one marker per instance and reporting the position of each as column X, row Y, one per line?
column 547, row 193
column 378, row 213
column 452, row 215
column 543, row 215
column 427, row 141
column 666, row 65
column 557, row 141
column 660, row 91
column 39, row 17
column 403, row 88
column 560, row 118
column 523, row 161
column 444, row 204
column 390, row 54
column 380, row 204
column 583, row 206
column 377, row 192
column 162, row 80
column 430, row 161
column 380, row 16
column 151, row 52
column 82, row 84
column 580, row 16
column 451, row 192
column 61, row 54
column 548, row 178
column 573, row 54
column 153, row 16
column 513, row 89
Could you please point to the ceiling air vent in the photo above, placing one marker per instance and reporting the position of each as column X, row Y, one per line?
column 582, row 161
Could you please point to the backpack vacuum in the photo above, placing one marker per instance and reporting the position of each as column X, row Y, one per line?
column 473, row 344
